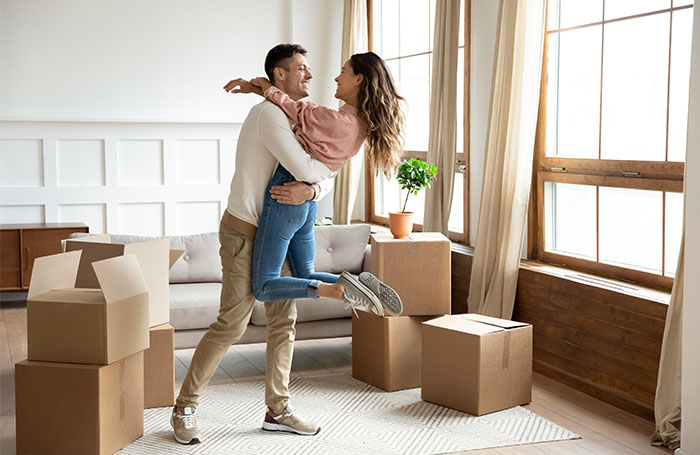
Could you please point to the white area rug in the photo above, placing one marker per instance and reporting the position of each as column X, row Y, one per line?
column 355, row 418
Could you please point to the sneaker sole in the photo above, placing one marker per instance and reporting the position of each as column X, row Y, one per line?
column 267, row 426
column 182, row 441
column 379, row 308
column 388, row 297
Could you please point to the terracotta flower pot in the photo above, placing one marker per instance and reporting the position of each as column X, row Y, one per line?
column 401, row 224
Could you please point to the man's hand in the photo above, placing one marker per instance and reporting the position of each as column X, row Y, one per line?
column 242, row 86
column 292, row 193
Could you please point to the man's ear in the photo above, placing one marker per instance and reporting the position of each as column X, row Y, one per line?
column 280, row 74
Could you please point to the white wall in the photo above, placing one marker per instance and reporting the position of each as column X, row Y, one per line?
column 91, row 88
column 690, row 437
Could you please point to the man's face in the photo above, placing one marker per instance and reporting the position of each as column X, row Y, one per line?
column 295, row 81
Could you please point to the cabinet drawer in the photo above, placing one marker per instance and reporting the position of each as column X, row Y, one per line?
column 41, row 242
column 9, row 260
column 9, row 238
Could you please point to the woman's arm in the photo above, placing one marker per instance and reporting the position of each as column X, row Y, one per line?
column 242, row 86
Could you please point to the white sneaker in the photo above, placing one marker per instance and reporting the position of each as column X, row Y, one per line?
column 357, row 295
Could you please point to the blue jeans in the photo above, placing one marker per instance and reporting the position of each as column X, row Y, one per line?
column 286, row 230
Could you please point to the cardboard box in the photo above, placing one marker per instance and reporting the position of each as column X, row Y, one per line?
column 159, row 368
column 155, row 258
column 477, row 364
column 64, row 408
column 93, row 326
column 386, row 351
column 418, row 268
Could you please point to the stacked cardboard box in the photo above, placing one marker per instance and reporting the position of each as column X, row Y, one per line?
column 477, row 364
column 386, row 350
column 155, row 259
column 81, row 389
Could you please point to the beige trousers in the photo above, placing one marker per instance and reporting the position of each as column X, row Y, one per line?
column 235, row 309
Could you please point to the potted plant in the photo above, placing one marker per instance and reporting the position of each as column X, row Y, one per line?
column 413, row 176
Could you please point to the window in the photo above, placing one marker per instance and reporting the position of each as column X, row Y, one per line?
column 609, row 162
column 402, row 34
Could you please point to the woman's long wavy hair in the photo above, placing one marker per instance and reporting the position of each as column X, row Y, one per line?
column 380, row 106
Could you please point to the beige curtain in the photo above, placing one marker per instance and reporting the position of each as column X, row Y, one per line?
column 508, row 158
column 667, row 403
column 348, row 179
column 443, row 115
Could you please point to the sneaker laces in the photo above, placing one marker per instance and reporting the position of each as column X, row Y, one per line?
column 354, row 301
column 188, row 420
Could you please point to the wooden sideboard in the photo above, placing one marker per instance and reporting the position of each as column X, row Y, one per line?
column 20, row 244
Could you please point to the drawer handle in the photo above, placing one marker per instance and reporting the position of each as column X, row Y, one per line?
column 26, row 258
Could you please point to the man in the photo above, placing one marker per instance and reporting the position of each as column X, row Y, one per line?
column 265, row 140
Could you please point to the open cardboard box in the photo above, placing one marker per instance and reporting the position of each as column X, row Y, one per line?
column 155, row 258
column 477, row 364
column 92, row 326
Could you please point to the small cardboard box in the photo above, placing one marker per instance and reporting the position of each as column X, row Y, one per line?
column 155, row 258
column 386, row 350
column 418, row 268
column 476, row 363
column 64, row 408
column 159, row 368
column 93, row 326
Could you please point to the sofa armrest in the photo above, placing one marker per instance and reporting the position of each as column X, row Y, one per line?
column 367, row 261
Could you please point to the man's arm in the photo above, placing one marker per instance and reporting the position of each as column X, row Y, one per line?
column 276, row 135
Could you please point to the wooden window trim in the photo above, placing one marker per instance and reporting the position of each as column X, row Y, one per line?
column 663, row 176
column 461, row 158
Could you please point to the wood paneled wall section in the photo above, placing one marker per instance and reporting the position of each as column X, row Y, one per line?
column 602, row 342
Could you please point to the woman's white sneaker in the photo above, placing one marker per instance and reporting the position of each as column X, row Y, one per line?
column 387, row 296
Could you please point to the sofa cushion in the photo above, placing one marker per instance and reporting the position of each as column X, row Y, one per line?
column 194, row 305
column 341, row 247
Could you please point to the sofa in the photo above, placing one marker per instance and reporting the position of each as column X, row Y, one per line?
column 195, row 285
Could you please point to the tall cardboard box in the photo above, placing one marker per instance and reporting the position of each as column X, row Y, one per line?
column 159, row 368
column 68, row 409
column 418, row 268
column 477, row 364
column 386, row 351
column 155, row 258
column 92, row 326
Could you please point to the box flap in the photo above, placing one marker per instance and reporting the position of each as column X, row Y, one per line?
column 460, row 323
column 95, row 238
column 92, row 251
column 152, row 255
column 120, row 277
column 504, row 323
column 174, row 256
column 52, row 272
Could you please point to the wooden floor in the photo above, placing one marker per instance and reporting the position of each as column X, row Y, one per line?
column 604, row 428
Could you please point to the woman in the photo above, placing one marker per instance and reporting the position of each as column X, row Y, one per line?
column 372, row 113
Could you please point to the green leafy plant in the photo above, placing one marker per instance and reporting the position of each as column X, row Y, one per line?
column 414, row 175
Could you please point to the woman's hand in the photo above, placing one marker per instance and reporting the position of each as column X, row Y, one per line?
column 242, row 86
column 261, row 82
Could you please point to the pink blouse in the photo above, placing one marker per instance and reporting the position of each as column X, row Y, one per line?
column 329, row 136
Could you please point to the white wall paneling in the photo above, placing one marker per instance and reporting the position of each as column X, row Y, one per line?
column 117, row 177
column 21, row 162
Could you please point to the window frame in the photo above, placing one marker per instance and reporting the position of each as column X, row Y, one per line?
column 461, row 157
column 665, row 176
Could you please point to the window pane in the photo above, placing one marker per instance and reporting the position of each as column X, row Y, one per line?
column 415, row 87
column 682, row 2
column 456, row 221
column 389, row 28
column 386, row 196
column 570, row 219
column 415, row 26
column 567, row 13
column 634, row 89
column 416, row 204
column 680, row 77
column 460, row 102
column 573, row 93
column 622, row 8
column 631, row 228
column 674, row 229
